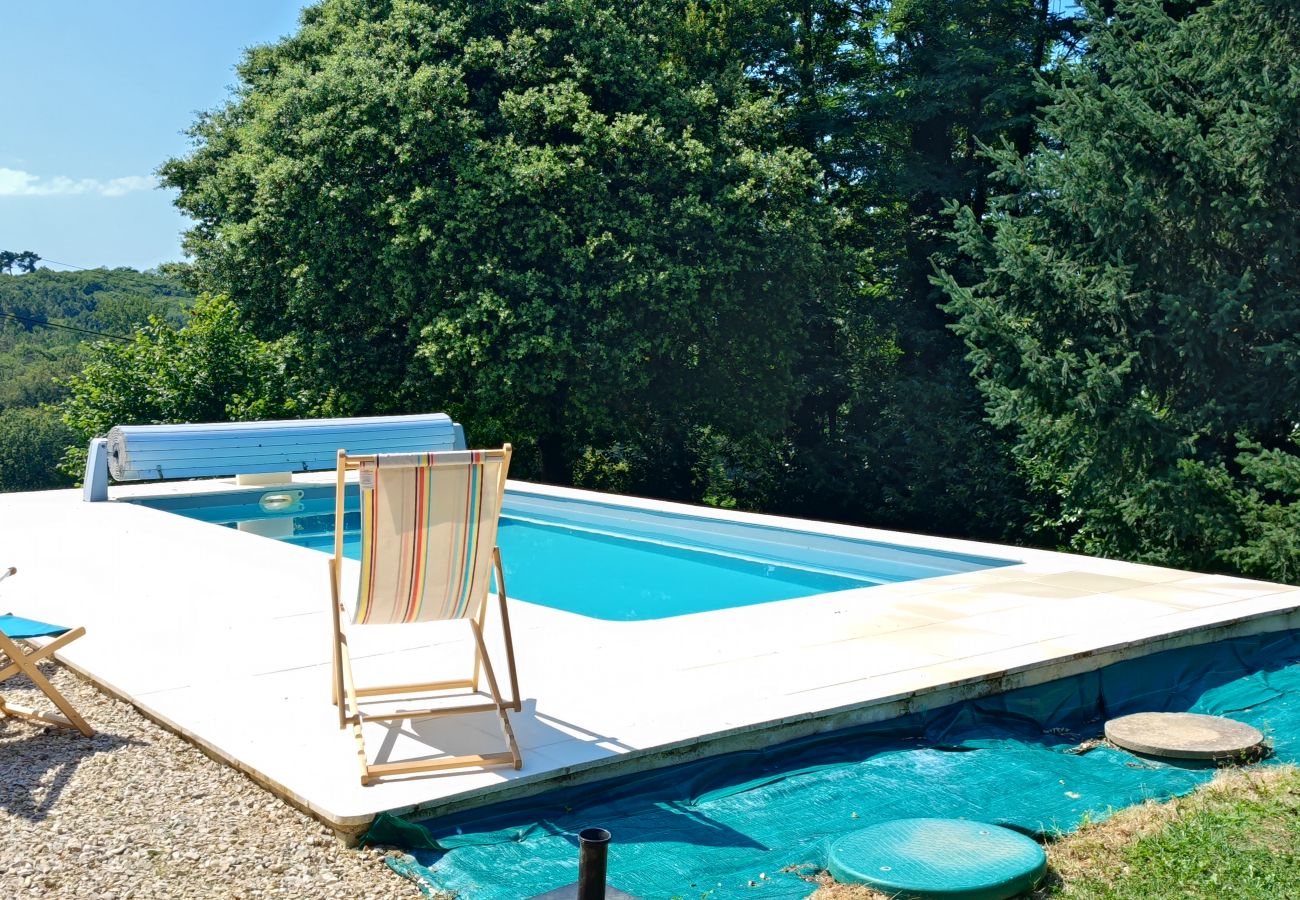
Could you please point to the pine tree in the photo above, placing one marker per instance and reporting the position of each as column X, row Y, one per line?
column 1134, row 316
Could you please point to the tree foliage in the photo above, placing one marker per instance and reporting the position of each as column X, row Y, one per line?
column 617, row 233
column 688, row 248
column 892, row 99
column 954, row 76
column 24, row 261
column 1269, row 506
column 525, row 213
column 32, row 442
column 45, row 319
column 210, row 370
column 46, row 316
column 1134, row 316
column 108, row 300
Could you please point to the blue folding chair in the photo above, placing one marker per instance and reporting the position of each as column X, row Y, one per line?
column 14, row 629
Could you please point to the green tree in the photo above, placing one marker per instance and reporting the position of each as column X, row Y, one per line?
column 75, row 298
column 25, row 260
column 533, row 215
column 45, row 317
column 955, row 74
column 211, row 370
column 32, row 442
column 1269, row 505
column 1134, row 315
column 892, row 98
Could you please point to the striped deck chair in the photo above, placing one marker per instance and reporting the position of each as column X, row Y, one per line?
column 14, row 629
column 428, row 551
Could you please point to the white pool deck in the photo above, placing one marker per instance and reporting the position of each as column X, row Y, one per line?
column 223, row 637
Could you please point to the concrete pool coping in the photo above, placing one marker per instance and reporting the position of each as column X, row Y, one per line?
column 223, row 637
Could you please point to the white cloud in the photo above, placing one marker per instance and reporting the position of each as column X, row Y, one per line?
column 17, row 183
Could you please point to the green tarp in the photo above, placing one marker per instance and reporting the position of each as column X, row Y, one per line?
column 745, row 824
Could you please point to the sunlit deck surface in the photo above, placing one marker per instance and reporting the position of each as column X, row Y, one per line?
column 224, row 637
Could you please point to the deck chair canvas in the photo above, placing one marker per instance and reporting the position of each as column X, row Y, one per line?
column 428, row 552
column 15, row 632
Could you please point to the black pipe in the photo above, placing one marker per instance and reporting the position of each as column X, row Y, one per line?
column 593, row 854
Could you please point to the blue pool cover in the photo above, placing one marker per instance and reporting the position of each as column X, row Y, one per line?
column 751, row 824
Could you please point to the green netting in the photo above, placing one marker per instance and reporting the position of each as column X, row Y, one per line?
column 735, row 825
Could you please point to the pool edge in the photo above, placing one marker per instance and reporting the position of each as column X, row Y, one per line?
column 878, row 709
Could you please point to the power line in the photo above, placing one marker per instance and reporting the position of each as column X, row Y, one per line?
column 66, row 265
column 44, row 324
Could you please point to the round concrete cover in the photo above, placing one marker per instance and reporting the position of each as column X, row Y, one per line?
column 1183, row 735
column 939, row 859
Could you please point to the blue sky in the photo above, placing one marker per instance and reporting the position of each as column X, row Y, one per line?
column 99, row 93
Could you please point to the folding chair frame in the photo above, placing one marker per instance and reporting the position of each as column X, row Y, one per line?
column 347, row 694
column 24, row 662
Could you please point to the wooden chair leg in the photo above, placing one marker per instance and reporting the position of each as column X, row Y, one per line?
column 496, row 696
column 516, row 702
column 26, row 664
column 34, row 715
column 350, row 709
column 336, row 651
column 478, row 655
column 337, row 681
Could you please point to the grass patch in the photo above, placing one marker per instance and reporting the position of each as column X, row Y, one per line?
column 1237, row 837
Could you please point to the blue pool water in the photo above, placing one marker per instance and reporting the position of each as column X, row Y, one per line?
column 611, row 562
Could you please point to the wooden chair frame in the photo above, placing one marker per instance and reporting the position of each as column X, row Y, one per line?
column 24, row 662
column 347, row 694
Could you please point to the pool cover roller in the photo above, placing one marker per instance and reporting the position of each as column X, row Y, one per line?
column 155, row 452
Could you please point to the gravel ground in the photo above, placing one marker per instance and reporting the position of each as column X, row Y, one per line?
column 136, row 812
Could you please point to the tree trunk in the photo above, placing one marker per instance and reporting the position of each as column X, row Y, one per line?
column 932, row 149
column 556, row 466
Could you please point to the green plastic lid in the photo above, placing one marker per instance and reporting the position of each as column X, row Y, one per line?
column 928, row 859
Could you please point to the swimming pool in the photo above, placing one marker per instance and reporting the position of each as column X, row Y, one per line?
column 607, row 561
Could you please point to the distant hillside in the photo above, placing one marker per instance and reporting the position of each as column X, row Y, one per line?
column 114, row 300
column 34, row 348
column 45, row 318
